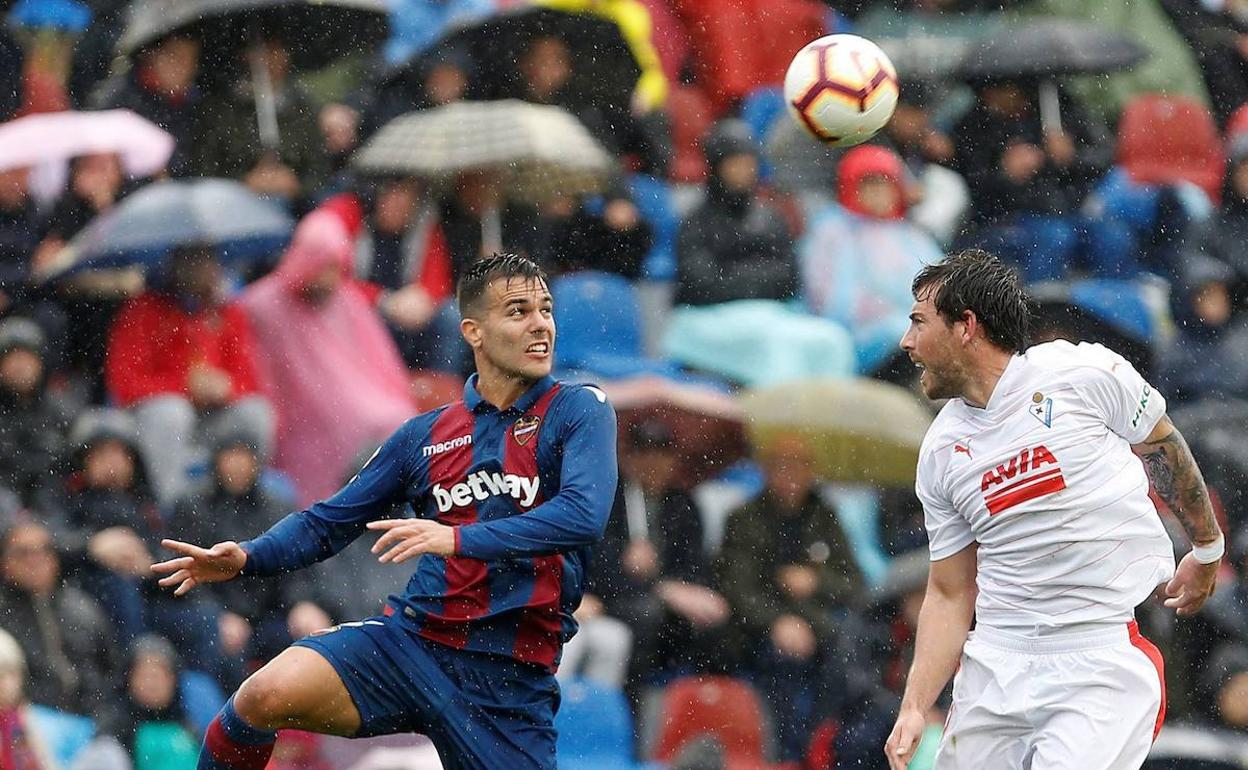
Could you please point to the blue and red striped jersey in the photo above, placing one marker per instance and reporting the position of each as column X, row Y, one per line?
column 528, row 489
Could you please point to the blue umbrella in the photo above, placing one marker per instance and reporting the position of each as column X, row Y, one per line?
column 64, row 15
column 143, row 228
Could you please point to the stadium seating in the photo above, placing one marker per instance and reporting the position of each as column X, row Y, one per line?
column 600, row 329
column 723, row 709
column 595, row 728
column 1168, row 139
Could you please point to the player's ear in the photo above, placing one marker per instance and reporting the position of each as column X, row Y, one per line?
column 970, row 323
column 471, row 331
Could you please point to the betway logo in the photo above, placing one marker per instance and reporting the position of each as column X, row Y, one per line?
column 446, row 446
column 484, row 484
column 1026, row 476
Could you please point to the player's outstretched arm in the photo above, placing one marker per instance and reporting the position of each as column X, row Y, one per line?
column 944, row 622
column 197, row 566
column 1177, row 480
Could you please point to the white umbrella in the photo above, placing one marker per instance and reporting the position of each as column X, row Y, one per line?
column 56, row 137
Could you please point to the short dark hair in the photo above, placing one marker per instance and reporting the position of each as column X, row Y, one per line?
column 977, row 281
column 480, row 274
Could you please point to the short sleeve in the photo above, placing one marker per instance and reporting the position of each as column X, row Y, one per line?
column 1130, row 406
column 947, row 531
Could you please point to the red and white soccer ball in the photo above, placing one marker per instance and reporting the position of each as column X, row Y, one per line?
column 841, row 88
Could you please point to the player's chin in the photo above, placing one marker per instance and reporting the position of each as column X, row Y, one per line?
column 535, row 367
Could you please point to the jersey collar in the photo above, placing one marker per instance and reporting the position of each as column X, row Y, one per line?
column 475, row 403
column 1006, row 383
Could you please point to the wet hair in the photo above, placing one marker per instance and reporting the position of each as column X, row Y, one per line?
column 977, row 281
column 483, row 272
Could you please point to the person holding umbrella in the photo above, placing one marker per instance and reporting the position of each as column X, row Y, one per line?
column 511, row 486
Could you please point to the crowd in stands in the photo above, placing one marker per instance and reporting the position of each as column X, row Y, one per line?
column 203, row 397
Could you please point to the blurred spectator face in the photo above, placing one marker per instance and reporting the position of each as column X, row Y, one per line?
column 788, row 471
column 323, row 285
column 13, row 188
column 197, row 275
column 396, row 206
column 174, row 64
column 1006, row 99
column 1213, row 304
column 237, row 469
column 1239, row 180
column 10, row 686
column 908, row 125
column 97, row 177
column 445, row 83
column 109, row 464
column 739, row 173
column 546, row 67
column 1233, row 701
column 477, row 191
column 29, row 562
column 21, row 371
column 274, row 57
column 339, row 127
column 152, row 682
column 879, row 196
column 654, row 468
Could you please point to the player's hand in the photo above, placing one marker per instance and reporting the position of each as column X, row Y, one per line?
column 403, row 539
column 197, row 566
column 902, row 742
column 1192, row 584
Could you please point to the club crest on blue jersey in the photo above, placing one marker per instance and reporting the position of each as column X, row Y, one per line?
column 525, row 428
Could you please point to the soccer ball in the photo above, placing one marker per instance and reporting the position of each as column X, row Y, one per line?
column 841, row 89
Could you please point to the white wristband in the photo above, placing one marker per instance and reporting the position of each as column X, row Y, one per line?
column 1208, row 554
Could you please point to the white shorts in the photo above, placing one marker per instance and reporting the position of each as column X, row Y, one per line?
column 1086, row 701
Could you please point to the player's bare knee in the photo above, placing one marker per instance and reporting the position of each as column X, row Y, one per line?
column 262, row 703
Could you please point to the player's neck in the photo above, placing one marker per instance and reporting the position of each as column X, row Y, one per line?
column 500, row 389
column 983, row 375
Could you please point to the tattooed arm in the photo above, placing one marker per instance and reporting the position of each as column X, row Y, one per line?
column 1173, row 473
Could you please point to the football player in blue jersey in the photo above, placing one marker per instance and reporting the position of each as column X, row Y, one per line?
column 509, row 488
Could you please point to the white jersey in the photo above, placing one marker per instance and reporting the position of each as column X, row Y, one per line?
column 1044, row 479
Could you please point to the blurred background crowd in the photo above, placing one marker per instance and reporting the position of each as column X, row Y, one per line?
column 229, row 233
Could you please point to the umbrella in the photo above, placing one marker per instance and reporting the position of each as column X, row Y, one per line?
column 55, row 137
column 540, row 151
column 145, row 226
column 859, row 429
column 604, row 70
column 706, row 423
column 1049, row 48
column 315, row 31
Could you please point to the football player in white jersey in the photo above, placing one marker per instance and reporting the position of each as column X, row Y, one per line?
column 1034, row 480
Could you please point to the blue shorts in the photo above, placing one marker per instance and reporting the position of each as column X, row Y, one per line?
column 481, row 711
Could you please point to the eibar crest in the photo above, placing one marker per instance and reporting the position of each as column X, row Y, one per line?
column 525, row 428
column 1042, row 410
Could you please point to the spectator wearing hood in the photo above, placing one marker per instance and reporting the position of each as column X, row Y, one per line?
column 182, row 359
column 70, row 654
column 324, row 358
column 33, row 422
column 857, row 258
column 1204, row 359
column 260, row 616
column 734, row 245
column 110, row 528
column 156, row 730
column 161, row 87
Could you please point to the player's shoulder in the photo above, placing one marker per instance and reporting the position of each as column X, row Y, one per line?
column 1071, row 357
column 948, row 427
column 583, row 396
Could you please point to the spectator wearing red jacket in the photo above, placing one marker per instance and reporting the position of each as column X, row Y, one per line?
column 181, row 358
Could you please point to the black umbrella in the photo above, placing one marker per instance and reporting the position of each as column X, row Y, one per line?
column 1049, row 48
column 604, row 70
column 315, row 31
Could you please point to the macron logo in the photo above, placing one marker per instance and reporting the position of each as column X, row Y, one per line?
column 446, row 446
column 484, row 484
